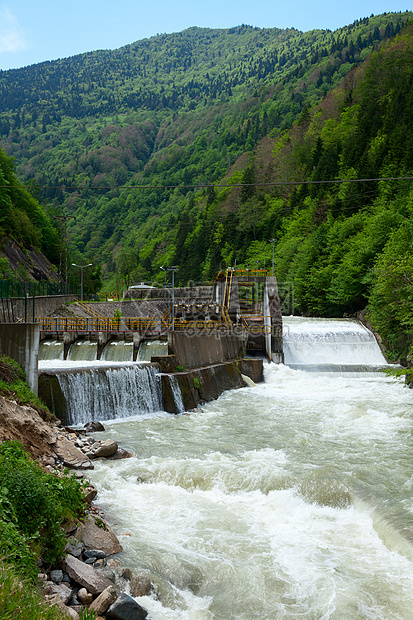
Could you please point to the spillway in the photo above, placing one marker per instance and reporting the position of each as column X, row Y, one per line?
column 330, row 345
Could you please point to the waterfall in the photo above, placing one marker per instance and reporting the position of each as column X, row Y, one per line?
column 83, row 350
column 176, row 392
column 118, row 351
column 51, row 350
column 152, row 347
column 106, row 393
column 330, row 345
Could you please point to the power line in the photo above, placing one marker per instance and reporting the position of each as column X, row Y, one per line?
column 208, row 185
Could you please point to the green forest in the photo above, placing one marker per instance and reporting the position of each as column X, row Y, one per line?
column 197, row 148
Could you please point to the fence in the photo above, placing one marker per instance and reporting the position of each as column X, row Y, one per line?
column 10, row 289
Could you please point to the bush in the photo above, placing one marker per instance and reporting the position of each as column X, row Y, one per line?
column 34, row 506
column 13, row 384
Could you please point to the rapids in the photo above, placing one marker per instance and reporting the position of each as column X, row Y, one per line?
column 288, row 499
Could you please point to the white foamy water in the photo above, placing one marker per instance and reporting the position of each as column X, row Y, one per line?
column 288, row 499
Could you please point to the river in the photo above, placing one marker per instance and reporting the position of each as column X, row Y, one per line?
column 288, row 499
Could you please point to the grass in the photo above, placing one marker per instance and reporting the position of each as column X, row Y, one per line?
column 13, row 385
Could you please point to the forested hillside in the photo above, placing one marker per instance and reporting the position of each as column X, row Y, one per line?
column 196, row 148
column 22, row 220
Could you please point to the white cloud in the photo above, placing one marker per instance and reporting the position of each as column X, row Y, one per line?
column 12, row 38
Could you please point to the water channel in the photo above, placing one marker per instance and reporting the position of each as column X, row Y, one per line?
column 288, row 499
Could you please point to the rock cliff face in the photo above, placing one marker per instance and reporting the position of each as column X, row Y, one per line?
column 26, row 263
column 22, row 423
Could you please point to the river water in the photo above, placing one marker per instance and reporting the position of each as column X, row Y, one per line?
column 288, row 499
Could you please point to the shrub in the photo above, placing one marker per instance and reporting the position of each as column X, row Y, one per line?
column 34, row 506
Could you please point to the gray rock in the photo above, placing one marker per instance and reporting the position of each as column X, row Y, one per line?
column 70, row 455
column 56, row 576
column 99, row 563
column 94, row 427
column 58, row 589
column 106, row 449
column 94, row 553
column 75, row 548
column 121, row 454
column 91, row 560
column 89, row 494
column 85, row 575
column 97, row 534
column 104, row 601
column 140, row 585
column 125, row 608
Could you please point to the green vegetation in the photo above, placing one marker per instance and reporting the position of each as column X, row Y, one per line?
column 13, row 385
column 197, row 384
column 177, row 109
column 265, row 118
column 22, row 217
column 33, row 507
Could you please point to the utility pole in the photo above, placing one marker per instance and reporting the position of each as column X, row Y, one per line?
column 81, row 267
column 173, row 269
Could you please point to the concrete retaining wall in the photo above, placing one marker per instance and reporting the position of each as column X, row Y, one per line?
column 202, row 385
column 193, row 351
column 21, row 343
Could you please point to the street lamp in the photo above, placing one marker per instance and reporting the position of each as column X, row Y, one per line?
column 81, row 267
column 173, row 269
column 273, row 241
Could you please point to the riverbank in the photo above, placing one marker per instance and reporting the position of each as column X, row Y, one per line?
column 89, row 579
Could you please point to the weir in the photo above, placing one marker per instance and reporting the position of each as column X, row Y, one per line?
column 330, row 345
column 101, row 392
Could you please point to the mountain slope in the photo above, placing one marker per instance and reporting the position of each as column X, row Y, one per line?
column 174, row 110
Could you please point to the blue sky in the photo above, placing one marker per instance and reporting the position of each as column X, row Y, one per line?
column 31, row 32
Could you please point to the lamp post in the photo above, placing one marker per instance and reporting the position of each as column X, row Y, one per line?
column 173, row 269
column 81, row 267
column 273, row 241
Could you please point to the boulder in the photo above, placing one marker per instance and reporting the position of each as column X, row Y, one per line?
column 89, row 494
column 125, row 608
column 94, row 427
column 106, row 449
column 97, row 534
column 56, row 576
column 68, row 612
column 85, row 575
column 121, row 454
column 58, row 589
column 102, row 603
column 140, row 585
column 71, row 456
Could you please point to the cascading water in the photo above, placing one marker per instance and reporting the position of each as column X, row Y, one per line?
column 118, row 351
column 103, row 393
column 83, row 350
column 289, row 499
column 335, row 345
column 176, row 392
column 151, row 347
column 51, row 350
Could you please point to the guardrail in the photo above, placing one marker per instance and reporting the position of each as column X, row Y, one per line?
column 137, row 324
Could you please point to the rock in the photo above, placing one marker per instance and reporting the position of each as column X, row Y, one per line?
column 84, row 596
column 107, row 448
column 125, row 608
column 70, row 527
column 107, row 572
column 70, row 455
column 99, row 563
column 90, row 560
column 75, row 547
column 121, row 454
column 126, row 573
column 98, row 535
column 89, row 494
column 93, row 427
column 56, row 576
column 41, row 578
column 68, row 612
column 102, row 603
column 112, row 563
column 94, row 553
column 58, row 589
column 140, row 585
column 85, row 575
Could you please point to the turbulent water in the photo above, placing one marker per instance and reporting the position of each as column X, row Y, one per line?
column 288, row 499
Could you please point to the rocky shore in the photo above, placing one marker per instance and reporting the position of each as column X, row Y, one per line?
column 89, row 576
